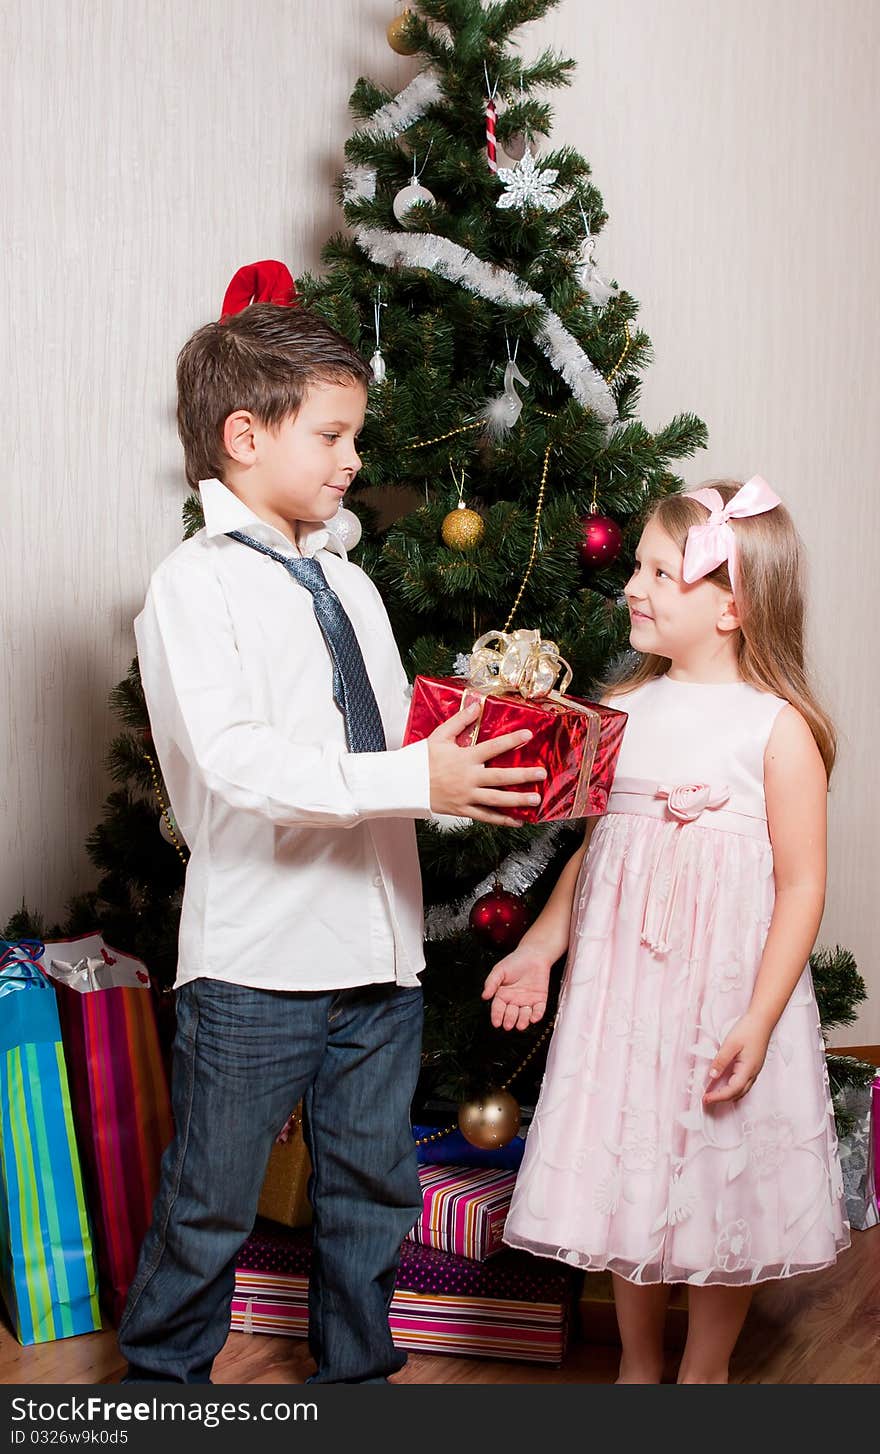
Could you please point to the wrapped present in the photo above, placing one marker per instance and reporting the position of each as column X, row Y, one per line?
column 857, row 1163
column 284, row 1195
column 47, row 1264
column 597, row 1320
column 576, row 741
column 119, row 1087
column 514, row 1306
column 464, row 1209
column 444, row 1148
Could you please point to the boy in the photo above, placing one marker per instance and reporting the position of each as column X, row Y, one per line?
column 277, row 702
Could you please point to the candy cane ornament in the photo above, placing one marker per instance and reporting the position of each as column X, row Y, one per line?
column 491, row 118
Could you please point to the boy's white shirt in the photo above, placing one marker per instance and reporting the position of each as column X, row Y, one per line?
column 303, row 870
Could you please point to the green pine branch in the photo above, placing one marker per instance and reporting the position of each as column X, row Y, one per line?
column 839, row 987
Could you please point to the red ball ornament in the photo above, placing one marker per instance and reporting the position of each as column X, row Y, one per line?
column 600, row 543
column 500, row 917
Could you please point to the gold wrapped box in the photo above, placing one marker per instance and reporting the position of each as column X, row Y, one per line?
column 284, row 1195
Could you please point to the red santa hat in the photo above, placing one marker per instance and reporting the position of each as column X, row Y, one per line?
column 265, row 282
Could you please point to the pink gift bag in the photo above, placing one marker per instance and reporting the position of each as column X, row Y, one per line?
column 119, row 1091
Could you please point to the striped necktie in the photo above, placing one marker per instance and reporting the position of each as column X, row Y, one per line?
column 352, row 691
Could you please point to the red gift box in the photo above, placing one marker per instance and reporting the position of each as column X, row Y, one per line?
column 577, row 741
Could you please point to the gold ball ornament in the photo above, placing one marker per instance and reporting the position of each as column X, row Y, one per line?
column 397, row 35
column 463, row 529
column 490, row 1121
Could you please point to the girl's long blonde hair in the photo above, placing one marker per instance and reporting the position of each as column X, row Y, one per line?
column 770, row 601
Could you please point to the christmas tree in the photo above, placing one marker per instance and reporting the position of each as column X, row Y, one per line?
column 505, row 476
column 502, row 439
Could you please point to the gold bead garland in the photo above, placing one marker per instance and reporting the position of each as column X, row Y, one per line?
column 423, row 443
column 609, row 378
column 164, row 807
column 535, row 534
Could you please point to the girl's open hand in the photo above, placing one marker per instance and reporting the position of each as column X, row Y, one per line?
column 740, row 1059
column 517, row 987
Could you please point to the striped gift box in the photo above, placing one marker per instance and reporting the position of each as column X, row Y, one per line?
column 464, row 1209
column 516, row 1306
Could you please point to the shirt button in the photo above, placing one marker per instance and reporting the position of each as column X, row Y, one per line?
column 378, row 880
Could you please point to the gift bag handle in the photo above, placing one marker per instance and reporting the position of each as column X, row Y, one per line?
column 23, row 954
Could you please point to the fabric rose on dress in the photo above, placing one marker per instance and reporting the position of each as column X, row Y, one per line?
column 686, row 801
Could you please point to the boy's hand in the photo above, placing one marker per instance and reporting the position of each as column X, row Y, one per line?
column 517, row 987
column 462, row 784
column 742, row 1054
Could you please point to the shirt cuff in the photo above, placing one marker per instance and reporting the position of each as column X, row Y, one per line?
column 391, row 784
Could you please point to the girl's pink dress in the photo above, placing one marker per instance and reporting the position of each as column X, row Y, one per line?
column 624, row 1167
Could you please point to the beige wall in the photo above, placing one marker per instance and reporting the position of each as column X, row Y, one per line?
column 152, row 147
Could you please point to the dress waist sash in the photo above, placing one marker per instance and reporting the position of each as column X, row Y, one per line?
column 701, row 805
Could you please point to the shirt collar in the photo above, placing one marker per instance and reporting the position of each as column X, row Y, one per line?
column 224, row 511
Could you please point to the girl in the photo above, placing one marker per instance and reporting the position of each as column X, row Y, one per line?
column 684, row 1131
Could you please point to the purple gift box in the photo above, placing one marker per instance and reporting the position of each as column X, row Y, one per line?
column 513, row 1306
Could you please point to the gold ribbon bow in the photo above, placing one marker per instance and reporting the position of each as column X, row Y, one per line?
column 523, row 663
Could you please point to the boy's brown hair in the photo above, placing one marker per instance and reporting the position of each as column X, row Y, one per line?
column 263, row 359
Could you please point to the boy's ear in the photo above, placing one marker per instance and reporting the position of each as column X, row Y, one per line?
column 729, row 618
column 238, row 436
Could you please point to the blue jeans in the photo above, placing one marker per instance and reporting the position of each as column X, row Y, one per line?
column 242, row 1059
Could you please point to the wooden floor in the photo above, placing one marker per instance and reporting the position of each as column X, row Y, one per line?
column 823, row 1328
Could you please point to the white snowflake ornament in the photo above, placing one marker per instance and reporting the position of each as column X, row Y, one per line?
column 529, row 186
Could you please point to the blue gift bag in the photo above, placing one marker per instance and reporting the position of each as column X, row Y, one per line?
column 47, row 1265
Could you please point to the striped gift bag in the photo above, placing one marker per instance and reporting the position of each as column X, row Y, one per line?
column 47, row 1270
column 120, row 1096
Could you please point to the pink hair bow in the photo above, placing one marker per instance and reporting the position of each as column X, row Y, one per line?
column 709, row 545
